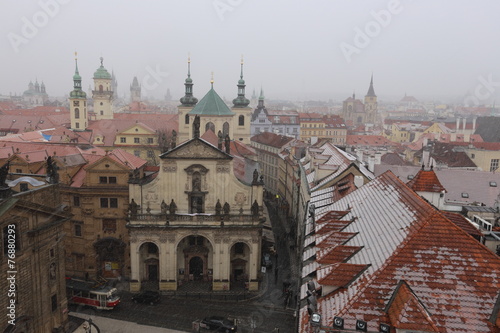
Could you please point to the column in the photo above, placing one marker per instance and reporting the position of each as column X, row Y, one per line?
column 135, row 279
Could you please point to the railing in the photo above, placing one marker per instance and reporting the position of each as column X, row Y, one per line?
column 193, row 219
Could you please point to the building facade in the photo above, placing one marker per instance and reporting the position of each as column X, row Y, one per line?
column 196, row 221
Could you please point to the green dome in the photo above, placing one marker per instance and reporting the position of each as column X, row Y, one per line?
column 102, row 73
column 77, row 94
column 77, row 77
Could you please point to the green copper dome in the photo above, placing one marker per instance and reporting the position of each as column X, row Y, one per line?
column 211, row 105
column 102, row 73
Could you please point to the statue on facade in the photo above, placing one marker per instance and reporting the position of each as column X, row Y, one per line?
column 218, row 207
column 164, row 207
column 173, row 141
column 255, row 177
column 133, row 207
column 172, row 208
column 255, row 208
column 227, row 143
column 52, row 175
column 221, row 139
column 226, row 208
column 196, row 126
column 4, row 171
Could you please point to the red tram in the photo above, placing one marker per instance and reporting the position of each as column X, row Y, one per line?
column 84, row 293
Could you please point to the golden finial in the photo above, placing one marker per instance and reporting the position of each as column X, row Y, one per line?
column 76, row 55
column 242, row 59
column 212, row 80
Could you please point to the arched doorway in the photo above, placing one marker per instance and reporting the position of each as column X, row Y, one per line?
column 194, row 259
column 196, row 269
column 240, row 264
column 110, row 257
column 150, row 263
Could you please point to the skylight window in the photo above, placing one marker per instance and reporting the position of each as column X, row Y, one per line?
column 493, row 184
column 465, row 195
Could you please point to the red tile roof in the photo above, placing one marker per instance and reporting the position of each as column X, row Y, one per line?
column 461, row 222
column 426, row 181
column 369, row 140
column 271, row 139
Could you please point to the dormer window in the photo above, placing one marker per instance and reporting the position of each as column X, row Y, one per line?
column 493, row 184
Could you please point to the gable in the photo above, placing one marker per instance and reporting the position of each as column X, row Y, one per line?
column 137, row 129
column 101, row 165
column 195, row 149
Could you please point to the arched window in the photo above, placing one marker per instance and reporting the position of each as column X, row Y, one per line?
column 241, row 120
column 186, row 119
column 101, row 88
column 210, row 126
column 77, row 113
column 225, row 129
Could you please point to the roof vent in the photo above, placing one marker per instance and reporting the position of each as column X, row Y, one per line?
column 465, row 195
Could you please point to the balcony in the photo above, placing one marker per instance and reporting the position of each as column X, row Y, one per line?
column 176, row 220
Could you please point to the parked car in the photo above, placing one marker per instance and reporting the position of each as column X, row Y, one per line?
column 220, row 324
column 148, row 297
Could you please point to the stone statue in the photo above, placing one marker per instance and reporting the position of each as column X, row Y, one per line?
column 255, row 177
column 172, row 208
column 227, row 143
column 196, row 126
column 218, row 207
column 52, row 171
column 226, row 208
column 221, row 139
column 255, row 208
column 4, row 171
column 173, row 142
column 164, row 207
column 133, row 208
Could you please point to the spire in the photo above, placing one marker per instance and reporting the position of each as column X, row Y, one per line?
column 189, row 99
column 371, row 92
column 212, row 81
column 77, row 83
column 261, row 99
column 241, row 101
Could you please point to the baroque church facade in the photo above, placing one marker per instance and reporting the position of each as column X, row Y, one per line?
column 198, row 219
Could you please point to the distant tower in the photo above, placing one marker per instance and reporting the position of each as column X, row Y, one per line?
column 370, row 104
column 168, row 96
column 243, row 117
column 42, row 88
column 102, row 93
column 78, row 103
column 135, row 91
column 114, row 85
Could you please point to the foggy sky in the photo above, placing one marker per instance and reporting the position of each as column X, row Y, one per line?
column 293, row 49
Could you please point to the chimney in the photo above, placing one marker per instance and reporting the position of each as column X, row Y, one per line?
column 371, row 163
column 465, row 120
column 425, row 157
column 473, row 125
column 378, row 158
column 458, row 124
column 359, row 153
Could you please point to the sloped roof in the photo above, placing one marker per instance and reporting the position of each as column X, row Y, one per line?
column 451, row 274
column 461, row 222
column 211, row 105
column 271, row 139
column 426, row 181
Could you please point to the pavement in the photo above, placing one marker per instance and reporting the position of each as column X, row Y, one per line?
column 109, row 325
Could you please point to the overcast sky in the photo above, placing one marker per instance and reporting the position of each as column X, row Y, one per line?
column 294, row 49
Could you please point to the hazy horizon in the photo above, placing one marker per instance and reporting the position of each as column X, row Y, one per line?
column 292, row 49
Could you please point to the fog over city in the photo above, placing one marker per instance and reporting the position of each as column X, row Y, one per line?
column 297, row 50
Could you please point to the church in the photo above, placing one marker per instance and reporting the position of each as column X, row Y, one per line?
column 355, row 113
column 200, row 217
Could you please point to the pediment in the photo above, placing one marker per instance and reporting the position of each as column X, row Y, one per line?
column 195, row 149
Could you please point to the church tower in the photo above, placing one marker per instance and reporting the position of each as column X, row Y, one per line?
column 370, row 105
column 135, row 91
column 78, row 103
column 188, row 101
column 102, row 93
column 243, row 113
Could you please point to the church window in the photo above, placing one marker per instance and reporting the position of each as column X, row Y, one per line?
column 241, row 120
column 225, row 129
column 101, row 88
column 77, row 125
column 186, row 119
column 210, row 126
column 77, row 113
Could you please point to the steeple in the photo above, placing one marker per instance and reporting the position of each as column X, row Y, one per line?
column 189, row 99
column 77, row 83
column 241, row 101
column 371, row 92
column 261, row 99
